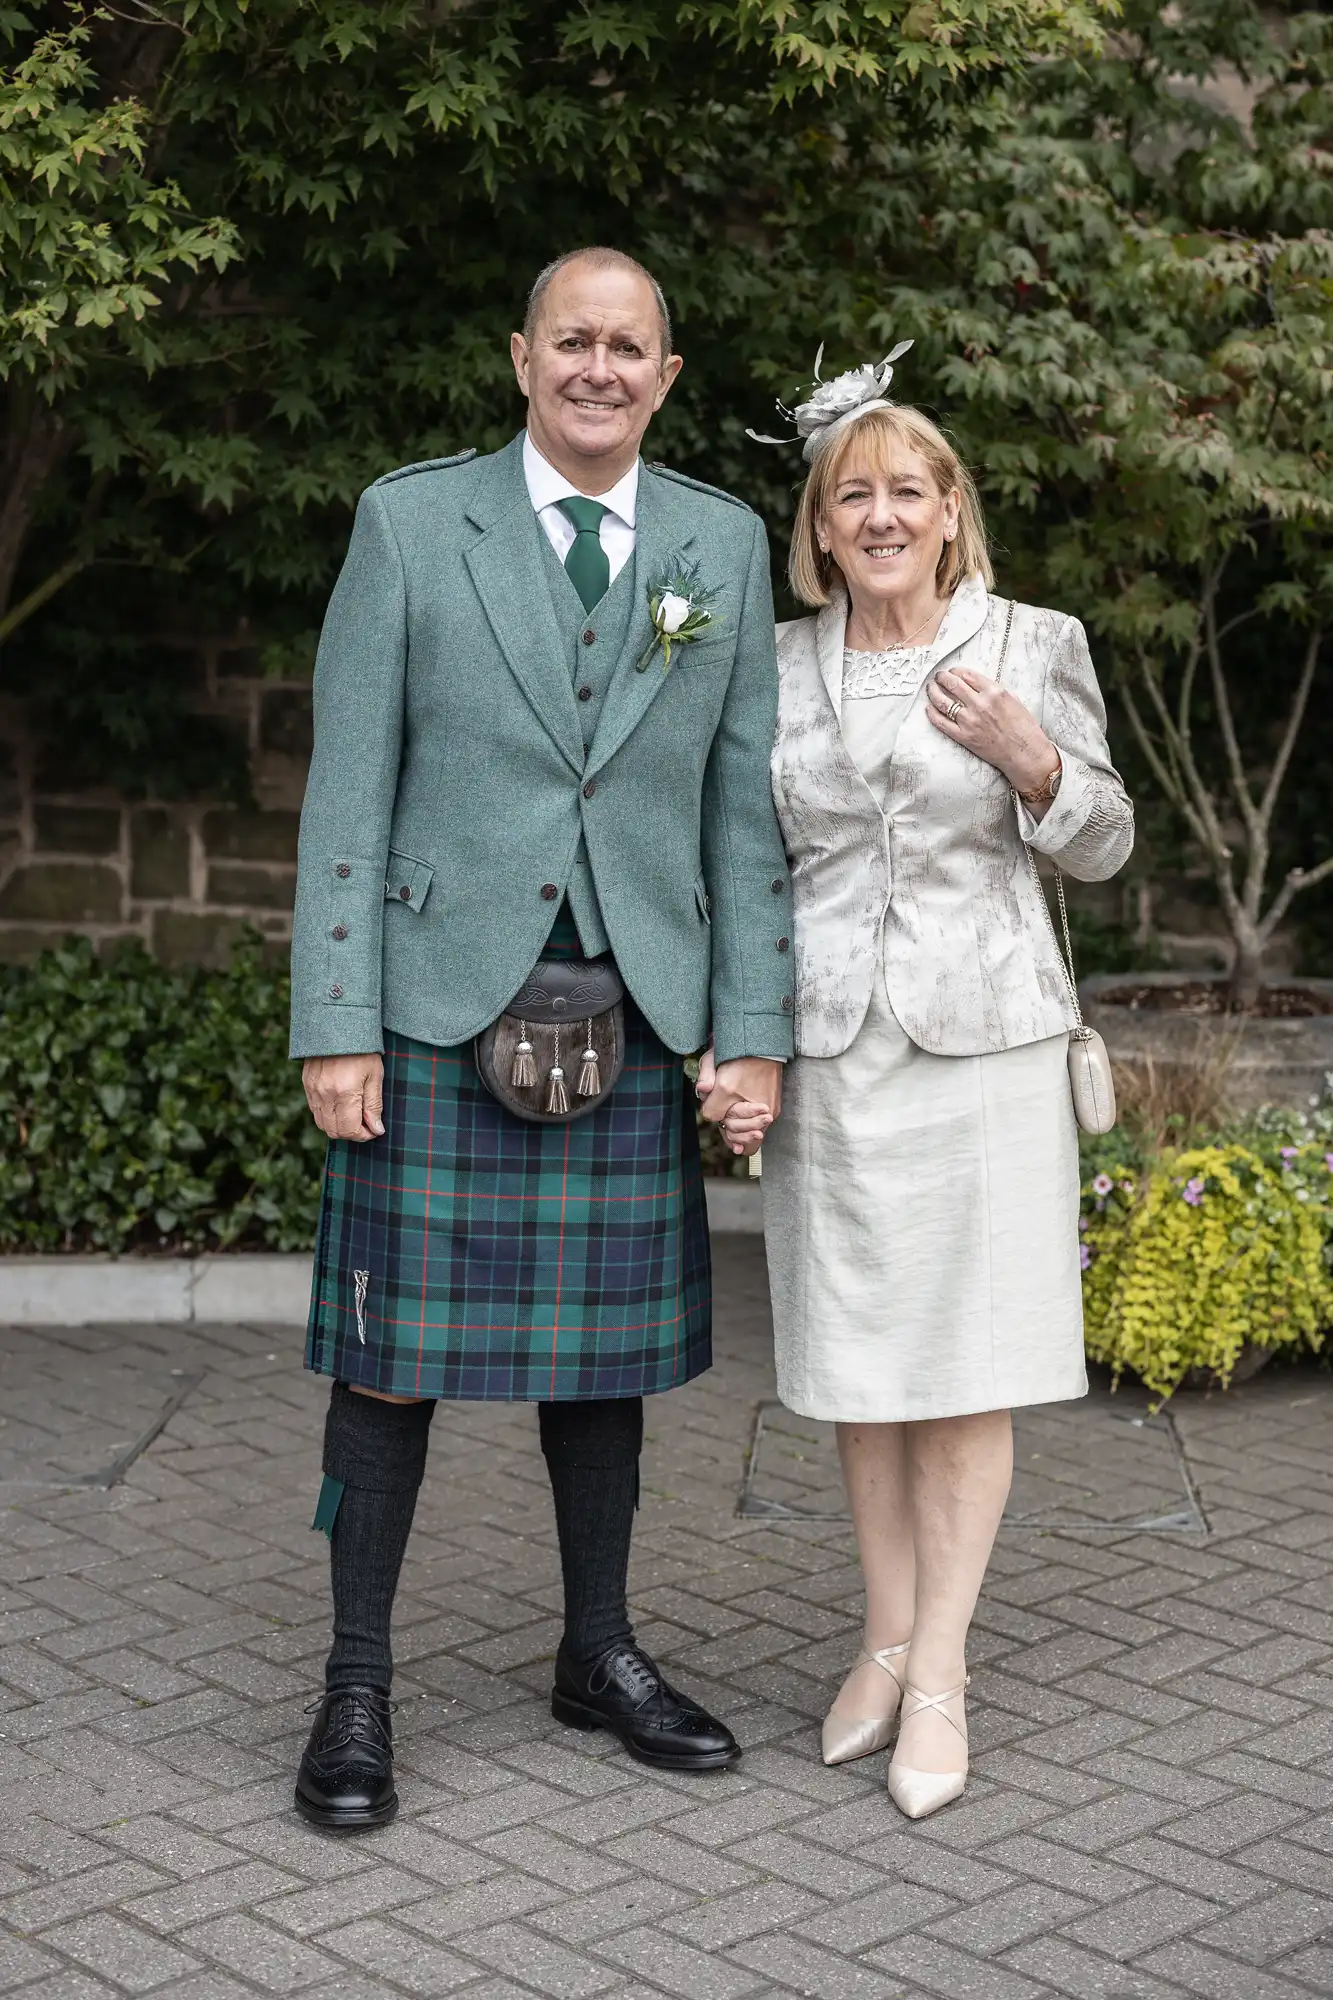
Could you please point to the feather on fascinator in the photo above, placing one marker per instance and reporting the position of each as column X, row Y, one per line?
column 833, row 405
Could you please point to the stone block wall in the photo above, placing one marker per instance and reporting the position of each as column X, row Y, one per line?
column 186, row 879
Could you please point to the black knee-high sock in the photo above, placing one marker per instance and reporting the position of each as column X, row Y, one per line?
column 378, row 1451
column 592, row 1456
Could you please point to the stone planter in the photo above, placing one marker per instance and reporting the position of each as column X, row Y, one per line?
column 1273, row 1061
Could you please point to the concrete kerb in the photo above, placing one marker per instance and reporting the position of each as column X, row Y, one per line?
column 83, row 1291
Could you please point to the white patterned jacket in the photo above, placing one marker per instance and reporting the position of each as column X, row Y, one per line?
column 970, row 961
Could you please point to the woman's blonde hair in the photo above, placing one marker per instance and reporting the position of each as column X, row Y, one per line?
column 881, row 437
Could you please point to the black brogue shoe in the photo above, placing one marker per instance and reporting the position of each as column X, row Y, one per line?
column 623, row 1690
column 345, row 1782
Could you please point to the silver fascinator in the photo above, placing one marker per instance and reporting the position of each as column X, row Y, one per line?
column 833, row 405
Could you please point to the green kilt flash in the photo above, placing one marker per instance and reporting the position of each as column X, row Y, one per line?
column 467, row 1254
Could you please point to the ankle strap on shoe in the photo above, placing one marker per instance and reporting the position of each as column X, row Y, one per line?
column 922, row 1701
column 882, row 1656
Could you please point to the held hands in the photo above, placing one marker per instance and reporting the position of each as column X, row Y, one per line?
column 743, row 1097
column 345, row 1095
column 972, row 709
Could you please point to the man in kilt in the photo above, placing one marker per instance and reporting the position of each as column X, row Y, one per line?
column 544, row 704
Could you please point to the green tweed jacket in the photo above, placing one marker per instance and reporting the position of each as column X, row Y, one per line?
column 450, row 783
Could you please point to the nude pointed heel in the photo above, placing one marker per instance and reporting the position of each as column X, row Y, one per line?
column 845, row 1738
column 920, row 1793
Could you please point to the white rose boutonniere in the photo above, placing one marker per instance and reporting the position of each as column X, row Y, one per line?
column 678, row 604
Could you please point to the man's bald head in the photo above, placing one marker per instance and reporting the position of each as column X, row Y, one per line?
column 599, row 258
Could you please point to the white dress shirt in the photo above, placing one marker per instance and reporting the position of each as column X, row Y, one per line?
column 547, row 488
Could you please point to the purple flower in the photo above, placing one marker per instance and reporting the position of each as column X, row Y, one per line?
column 1289, row 1153
column 1328, row 1161
column 1102, row 1184
column 1082, row 1223
column 1084, row 1256
column 1194, row 1191
column 1126, row 1187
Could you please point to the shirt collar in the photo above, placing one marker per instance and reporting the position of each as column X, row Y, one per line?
column 546, row 486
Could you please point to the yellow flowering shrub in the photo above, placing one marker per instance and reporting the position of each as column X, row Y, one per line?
column 1203, row 1253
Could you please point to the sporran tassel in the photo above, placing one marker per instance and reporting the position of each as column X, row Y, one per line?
column 557, row 1097
column 523, row 1075
column 590, row 1076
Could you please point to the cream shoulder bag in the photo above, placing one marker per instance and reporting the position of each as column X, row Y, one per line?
column 1090, row 1079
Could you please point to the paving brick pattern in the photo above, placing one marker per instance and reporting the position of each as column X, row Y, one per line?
column 1150, row 1815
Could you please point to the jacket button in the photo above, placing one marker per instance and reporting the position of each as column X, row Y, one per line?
column 590, row 788
column 342, row 871
column 777, row 885
column 784, row 944
column 787, row 1003
column 335, row 991
column 585, row 694
column 589, row 636
column 549, row 892
column 404, row 894
column 340, row 932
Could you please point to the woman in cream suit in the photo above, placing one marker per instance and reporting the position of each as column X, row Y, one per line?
column 921, row 1187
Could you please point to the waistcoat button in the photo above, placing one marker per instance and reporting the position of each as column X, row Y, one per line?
column 340, row 932
column 784, row 944
column 589, row 636
column 777, row 885
column 788, row 1003
column 549, row 892
column 335, row 992
column 590, row 788
column 585, row 694
column 342, row 871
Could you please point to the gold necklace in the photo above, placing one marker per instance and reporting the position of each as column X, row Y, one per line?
column 900, row 645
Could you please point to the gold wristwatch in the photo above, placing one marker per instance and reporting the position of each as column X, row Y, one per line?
column 1047, row 790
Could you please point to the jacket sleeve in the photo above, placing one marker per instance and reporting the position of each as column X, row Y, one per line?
column 1088, row 830
column 344, row 846
column 744, row 862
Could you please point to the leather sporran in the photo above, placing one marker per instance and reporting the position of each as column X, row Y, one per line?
column 558, row 1049
column 1090, row 1082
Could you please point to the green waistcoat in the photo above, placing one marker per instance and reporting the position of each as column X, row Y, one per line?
column 592, row 662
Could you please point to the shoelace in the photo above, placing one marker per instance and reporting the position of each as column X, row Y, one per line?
column 355, row 1718
column 644, row 1681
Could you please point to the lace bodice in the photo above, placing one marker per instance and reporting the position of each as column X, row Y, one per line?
column 897, row 670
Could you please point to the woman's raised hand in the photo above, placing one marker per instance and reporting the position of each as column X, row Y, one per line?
column 972, row 709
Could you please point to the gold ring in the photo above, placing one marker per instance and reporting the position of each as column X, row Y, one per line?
column 953, row 711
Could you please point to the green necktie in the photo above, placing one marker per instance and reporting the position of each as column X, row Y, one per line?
column 586, row 565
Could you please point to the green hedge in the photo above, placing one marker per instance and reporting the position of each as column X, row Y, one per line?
column 151, row 1109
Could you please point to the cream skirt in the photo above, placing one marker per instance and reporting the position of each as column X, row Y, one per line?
column 921, row 1220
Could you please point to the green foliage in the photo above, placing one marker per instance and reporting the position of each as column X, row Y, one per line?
column 148, row 1109
column 389, row 178
column 1203, row 1253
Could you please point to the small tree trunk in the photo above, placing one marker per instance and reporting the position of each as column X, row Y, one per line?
column 1246, row 971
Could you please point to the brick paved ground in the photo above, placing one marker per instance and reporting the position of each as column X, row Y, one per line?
column 1151, row 1811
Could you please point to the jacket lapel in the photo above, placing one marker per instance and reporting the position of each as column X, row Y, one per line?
column 830, row 638
column 967, row 613
column 662, row 533
column 505, row 563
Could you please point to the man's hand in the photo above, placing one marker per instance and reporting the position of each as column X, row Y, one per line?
column 750, row 1081
column 345, row 1095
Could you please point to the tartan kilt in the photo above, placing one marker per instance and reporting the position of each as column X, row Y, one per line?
column 499, row 1261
